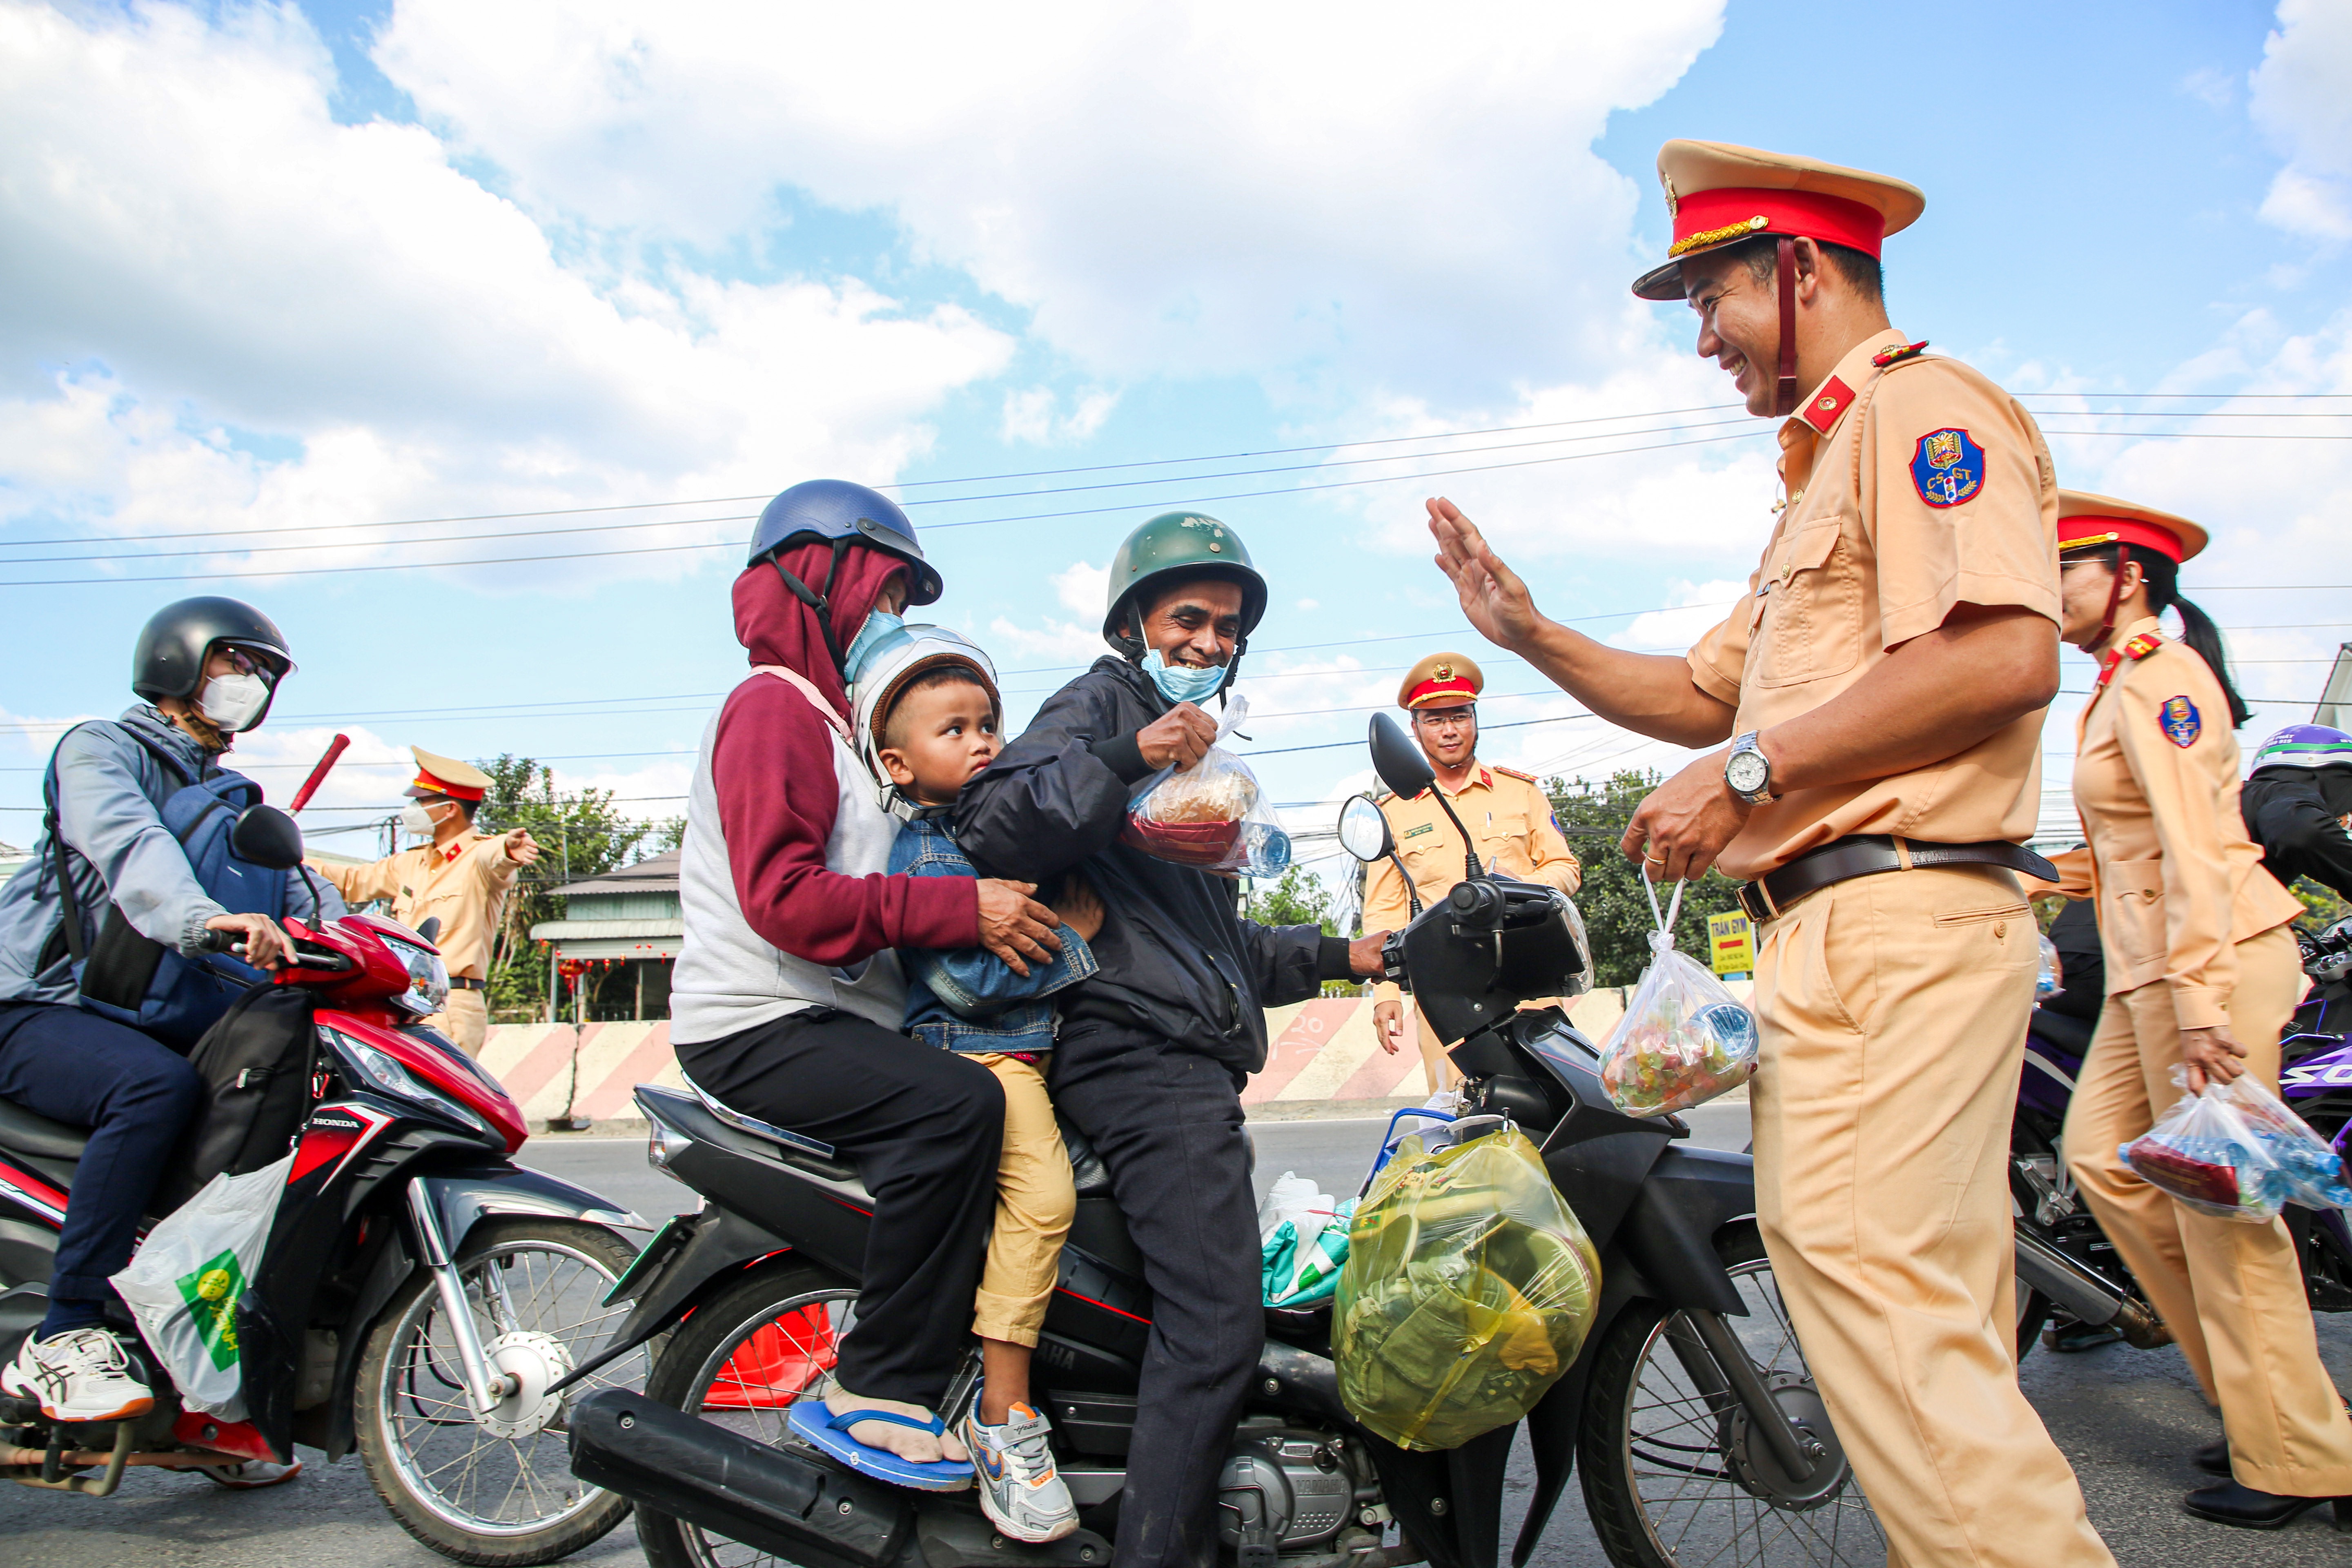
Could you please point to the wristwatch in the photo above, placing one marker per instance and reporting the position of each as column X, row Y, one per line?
column 1748, row 771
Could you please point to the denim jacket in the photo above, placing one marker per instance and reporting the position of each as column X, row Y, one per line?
column 967, row 999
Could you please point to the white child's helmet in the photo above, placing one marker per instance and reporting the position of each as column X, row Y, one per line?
column 885, row 669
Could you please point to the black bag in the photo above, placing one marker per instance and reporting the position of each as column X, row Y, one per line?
column 255, row 1064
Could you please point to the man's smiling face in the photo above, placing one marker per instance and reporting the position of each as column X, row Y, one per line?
column 1738, row 322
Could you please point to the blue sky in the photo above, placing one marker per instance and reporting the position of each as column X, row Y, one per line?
column 290, row 277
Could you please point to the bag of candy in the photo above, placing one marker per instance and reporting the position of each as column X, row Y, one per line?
column 1212, row 815
column 2205, row 1154
column 2312, row 1170
column 1683, row 1039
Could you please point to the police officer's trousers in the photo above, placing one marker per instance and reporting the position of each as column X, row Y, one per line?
column 1892, row 1013
column 2232, row 1292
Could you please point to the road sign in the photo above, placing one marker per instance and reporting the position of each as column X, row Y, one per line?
column 1732, row 941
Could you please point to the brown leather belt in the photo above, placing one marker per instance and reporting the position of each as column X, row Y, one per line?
column 468, row 982
column 1868, row 855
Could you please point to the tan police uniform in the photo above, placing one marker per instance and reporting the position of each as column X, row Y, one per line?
column 464, row 882
column 1510, row 821
column 2195, row 933
column 1892, row 1008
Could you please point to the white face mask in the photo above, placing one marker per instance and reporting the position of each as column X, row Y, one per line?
column 233, row 702
column 416, row 821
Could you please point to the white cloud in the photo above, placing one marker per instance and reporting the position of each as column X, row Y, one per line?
column 1032, row 416
column 208, row 257
column 1310, row 604
column 1083, row 587
column 2299, row 100
column 1170, row 190
column 1699, row 609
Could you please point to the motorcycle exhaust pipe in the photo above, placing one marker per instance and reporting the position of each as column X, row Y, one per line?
column 2086, row 1295
column 766, row 1498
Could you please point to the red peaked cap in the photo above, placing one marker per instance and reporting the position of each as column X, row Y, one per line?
column 777, row 628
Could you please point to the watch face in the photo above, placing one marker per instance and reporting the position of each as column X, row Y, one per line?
column 1746, row 772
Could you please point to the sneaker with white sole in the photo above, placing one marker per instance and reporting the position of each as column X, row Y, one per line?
column 251, row 1474
column 1021, row 1490
column 81, row 1374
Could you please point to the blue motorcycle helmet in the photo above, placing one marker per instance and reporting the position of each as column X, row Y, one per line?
column 817, row 512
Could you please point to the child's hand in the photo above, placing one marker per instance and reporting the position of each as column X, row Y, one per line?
column 1078, row 906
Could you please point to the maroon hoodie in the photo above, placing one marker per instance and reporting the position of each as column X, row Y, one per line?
column 773, row 763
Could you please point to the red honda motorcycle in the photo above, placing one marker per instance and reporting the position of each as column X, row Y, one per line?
column 418, row 1295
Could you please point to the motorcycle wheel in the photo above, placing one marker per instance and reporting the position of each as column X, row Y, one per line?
column 1662, row 1465
column 469, row 1494
column 741, row 1361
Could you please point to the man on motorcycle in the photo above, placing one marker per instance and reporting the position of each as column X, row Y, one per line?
column 2296, row 801
column 1155, row 1048
column 207, row 668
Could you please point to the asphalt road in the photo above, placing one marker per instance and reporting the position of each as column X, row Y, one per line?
column 2127, row 1419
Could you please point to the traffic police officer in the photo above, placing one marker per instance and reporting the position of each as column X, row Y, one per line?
column 459, row 875
column 1508, row 815
column 2202, row 971
column 1882, row 683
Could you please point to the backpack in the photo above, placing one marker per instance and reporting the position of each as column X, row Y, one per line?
column 133, row 979
column 255, row 1064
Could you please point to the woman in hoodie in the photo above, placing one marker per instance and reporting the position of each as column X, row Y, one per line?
column 787, row 996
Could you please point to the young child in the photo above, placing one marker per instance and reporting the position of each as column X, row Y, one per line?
column 927, row 714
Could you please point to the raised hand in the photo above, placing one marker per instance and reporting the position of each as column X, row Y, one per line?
column 1495, row 597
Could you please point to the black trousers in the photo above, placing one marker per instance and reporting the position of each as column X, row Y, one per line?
column 924, row 1128
column 1167, row 1124
column 134, row 1096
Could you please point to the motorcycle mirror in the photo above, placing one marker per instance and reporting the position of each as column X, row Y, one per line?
column 1364, row 829
column 1398, row 761
column 431, row 930
column 266, row 837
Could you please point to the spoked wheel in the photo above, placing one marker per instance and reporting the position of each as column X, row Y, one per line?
column 741, row 1362
column 496, row 1488
column 1673, row 1478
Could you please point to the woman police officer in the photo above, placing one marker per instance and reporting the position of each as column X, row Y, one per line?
column 2201, row 973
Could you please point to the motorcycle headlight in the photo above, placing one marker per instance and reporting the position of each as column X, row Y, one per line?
column 428, row 977
column 394, row 1078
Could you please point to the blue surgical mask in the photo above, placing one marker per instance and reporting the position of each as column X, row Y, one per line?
column 878, row 625
column 1181, row 683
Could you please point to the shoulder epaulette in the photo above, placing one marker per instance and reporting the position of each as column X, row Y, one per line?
column 1514, row 772
column 1897, row 354
column 2142, row 646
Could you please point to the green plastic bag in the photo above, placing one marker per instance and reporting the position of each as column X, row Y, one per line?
column 1296, row 1272
column 1468, row 1290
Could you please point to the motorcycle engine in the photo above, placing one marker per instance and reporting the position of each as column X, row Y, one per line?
column 1286, row 1488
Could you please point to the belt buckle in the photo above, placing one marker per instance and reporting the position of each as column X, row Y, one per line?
column 1756, row 900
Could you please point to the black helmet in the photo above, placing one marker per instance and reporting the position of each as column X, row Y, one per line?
column 170, row 658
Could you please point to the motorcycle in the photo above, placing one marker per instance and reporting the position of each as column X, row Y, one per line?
column 1701, row 1435
column 419, row 1294
column 2314, row 1079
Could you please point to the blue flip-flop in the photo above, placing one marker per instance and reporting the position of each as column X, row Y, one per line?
column 829, row 1435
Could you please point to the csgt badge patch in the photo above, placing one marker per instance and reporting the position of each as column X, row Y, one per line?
column 1948, row 467
column 2181, row 725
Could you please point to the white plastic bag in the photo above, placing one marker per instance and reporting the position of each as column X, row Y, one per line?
column 185, row 1281
column 1292, row 1197
column 2051, row 978
column 2309, row 1167
column 1684, row 1038
column 1212, row 815
column 2204, row 1154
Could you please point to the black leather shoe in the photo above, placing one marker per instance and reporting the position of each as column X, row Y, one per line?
column 2230, row 1504
column 2213, row 1458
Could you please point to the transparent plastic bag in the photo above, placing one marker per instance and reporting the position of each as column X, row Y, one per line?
column 185, row 1281
column 1469, row 1288
column 2051, row 977
column 2206, row 1154
column 2308, row 1166
column 1683, row 1039
column 1212, row 815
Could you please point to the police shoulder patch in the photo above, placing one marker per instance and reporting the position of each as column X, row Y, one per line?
column 1515, row 774
column 1948, row 467
column 2181, row 724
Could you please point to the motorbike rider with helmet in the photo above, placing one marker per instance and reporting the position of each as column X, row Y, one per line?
column 1154, row 1049
column 207, row 669
column 787, row 996
column 2298, row 799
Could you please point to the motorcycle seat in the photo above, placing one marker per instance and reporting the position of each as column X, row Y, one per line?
column 38, row 1137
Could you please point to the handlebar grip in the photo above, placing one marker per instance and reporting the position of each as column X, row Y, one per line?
column 221, row 941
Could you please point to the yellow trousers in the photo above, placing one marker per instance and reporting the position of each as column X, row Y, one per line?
column 2232, row 1292
column 1892, row 1010
column 1436, row 1067
column 465, row 1019
column 1036, row 1202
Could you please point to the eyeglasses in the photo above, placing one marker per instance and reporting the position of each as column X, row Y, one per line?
column 245, row 663
column 1446, row 717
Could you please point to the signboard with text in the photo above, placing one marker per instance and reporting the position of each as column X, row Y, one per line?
column 1732, row 939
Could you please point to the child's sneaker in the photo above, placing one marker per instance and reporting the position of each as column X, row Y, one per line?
column 81, row 1374
column 1020, row 1491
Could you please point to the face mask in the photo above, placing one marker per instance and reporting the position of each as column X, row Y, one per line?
column 1181, row 683
column 415, row 821
column 233, row 702
column 878, row 625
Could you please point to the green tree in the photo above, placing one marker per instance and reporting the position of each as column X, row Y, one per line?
column 1616, row 909
column 1297, row 898
column 580, row 835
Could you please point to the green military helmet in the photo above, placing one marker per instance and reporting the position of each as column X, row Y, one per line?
column 1179, row 544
